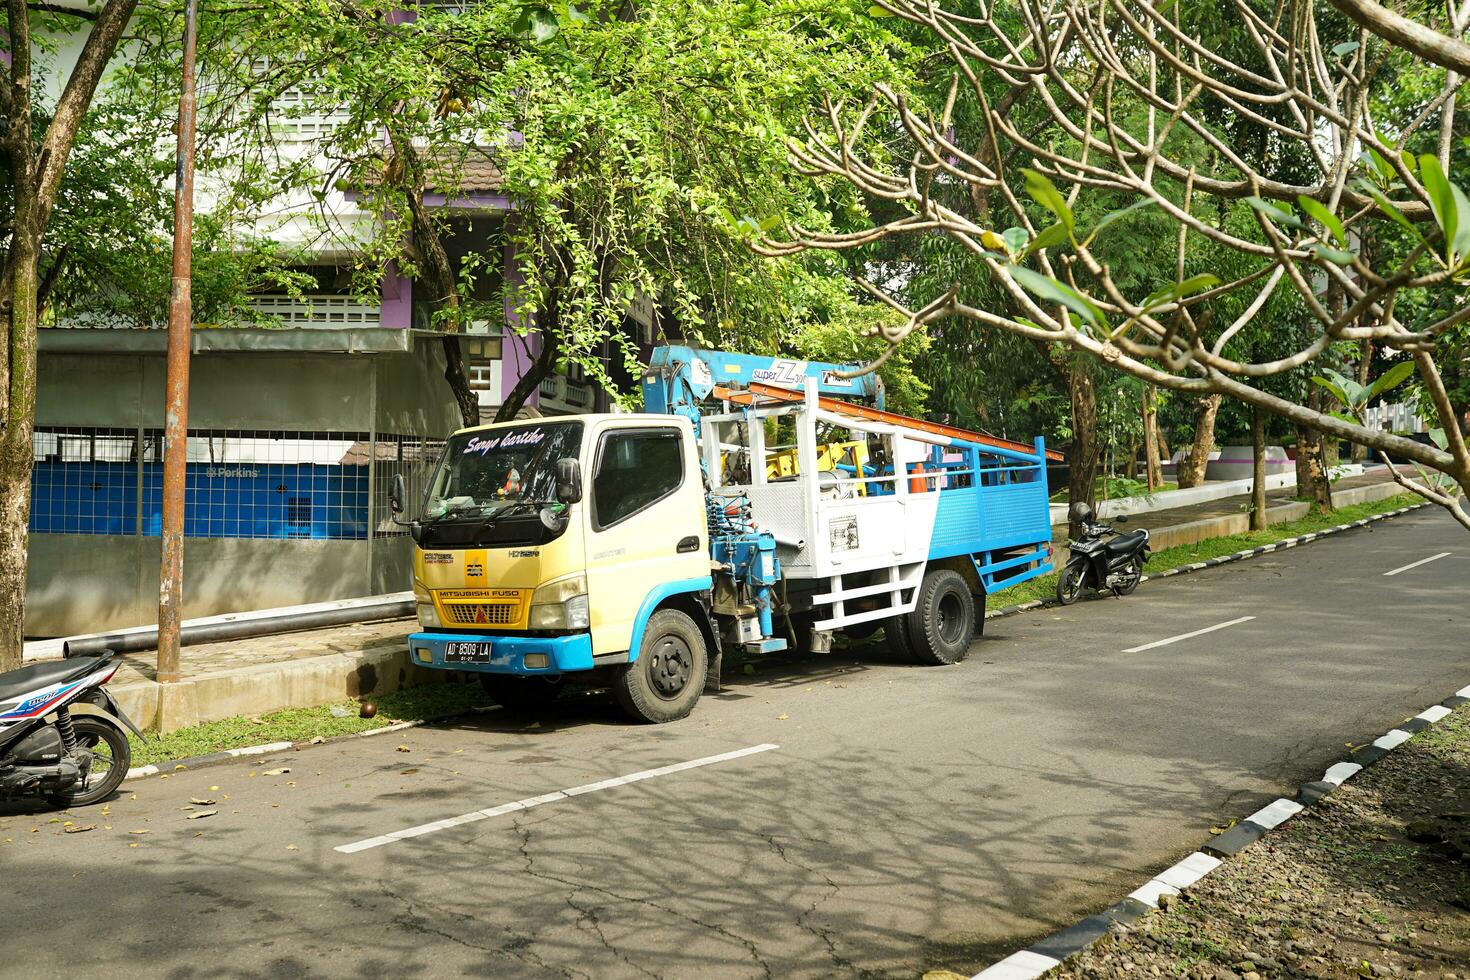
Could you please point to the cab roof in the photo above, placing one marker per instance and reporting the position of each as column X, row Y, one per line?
column 590, row 419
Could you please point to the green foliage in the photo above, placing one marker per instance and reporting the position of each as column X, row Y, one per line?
column 643, row 147
column 1356, row 397
column 850, row 336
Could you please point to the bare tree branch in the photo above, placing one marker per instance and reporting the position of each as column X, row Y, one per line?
column 1427, row 43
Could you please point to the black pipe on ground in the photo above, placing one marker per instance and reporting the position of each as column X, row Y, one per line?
column 239, row 629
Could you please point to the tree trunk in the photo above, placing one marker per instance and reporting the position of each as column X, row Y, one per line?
column 437, row 276
column 1192, row 466
column 539, row 370
column 1311, row 465
column 1151, row 439
column 459, row 382
column 1258, row 469
column 1083, row 459
column 16, row 452
column 1130, row 468
column 35, row 176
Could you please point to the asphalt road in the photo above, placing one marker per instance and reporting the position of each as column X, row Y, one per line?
column 909, row 818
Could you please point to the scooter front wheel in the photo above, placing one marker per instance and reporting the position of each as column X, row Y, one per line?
column 1072, row 582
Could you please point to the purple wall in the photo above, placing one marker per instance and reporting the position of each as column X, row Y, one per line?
column 397, row 299
column 517, row 352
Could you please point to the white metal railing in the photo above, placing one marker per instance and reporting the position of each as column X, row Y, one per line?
column 1396, row 417
column 295, row 115
column 318, row 312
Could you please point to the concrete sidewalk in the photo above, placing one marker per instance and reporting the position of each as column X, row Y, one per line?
column 267, row 673
column 1231, row 515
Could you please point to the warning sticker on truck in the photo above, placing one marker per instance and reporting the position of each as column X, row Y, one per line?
column 844, row 533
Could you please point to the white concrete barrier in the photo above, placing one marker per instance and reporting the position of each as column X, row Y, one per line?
column 1169, row 499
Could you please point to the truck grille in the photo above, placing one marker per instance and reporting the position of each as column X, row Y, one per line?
column 482, row 613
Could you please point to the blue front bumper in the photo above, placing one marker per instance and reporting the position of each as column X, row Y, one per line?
column 507, row 652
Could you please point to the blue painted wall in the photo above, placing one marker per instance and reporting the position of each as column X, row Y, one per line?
column 222, row 500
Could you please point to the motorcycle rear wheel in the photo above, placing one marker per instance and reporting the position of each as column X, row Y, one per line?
column 111, row 756
column 1128, row 580
column 1072, row 582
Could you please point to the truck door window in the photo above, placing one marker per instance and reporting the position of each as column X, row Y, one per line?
column 635, row 469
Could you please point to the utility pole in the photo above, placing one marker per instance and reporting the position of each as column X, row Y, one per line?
column 176, row 404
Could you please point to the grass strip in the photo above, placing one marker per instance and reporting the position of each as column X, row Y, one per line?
column 1045, row 587
column 304, row 724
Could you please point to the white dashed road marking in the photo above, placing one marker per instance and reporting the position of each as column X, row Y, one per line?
column 1421, row 561
column 561, row 794
column 1186, row 636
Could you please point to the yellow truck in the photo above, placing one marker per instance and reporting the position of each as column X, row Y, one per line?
column 618, row 548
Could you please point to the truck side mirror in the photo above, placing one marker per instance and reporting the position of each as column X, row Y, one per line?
column 568, row 481
column 395, row 494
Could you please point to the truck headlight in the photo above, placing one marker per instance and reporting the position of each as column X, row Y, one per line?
column 428, row 616
column 561, row 605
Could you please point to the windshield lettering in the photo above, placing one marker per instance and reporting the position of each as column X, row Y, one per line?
column 485, row 475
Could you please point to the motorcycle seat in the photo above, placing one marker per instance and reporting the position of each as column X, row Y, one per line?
column 37, row 676
column 1125, row 543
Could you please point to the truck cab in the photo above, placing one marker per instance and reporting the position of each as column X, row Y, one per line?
column 553, row 546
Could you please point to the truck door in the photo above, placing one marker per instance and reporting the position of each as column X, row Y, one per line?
column 647, row 525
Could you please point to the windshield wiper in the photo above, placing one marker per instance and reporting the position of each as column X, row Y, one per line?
column 459, row 511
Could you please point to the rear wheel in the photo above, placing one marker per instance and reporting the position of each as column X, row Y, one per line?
column 1072, row 582
column 110, row 757
column 668, row 677
column 943, row 623
column 1129, row 577
column 518, row 693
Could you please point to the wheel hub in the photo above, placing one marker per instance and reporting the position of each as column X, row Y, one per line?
column 670, row 666
column 950, row 618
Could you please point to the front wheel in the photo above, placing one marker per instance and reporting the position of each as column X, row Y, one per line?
column 1072, row 582
column 1129, row 577
column 668, row 677
column 110, row 754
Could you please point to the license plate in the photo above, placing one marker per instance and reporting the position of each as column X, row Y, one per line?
column 466, row 653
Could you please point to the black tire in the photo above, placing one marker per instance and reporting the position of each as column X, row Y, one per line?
column 111, row 757
column 896, row 636
column 1130, row 582
column 1072, row 582
column 942, row 625
column 516, row 693
column 668, row 677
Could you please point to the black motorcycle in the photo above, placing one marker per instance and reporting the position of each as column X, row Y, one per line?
column 1115, row 564
column 47, row 750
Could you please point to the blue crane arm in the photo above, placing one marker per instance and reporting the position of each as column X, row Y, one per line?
column 679, row 379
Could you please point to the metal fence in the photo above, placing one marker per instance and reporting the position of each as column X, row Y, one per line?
column 412, row 456
column 238, row 484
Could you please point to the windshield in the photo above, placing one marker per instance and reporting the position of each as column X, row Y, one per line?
column 485, row 473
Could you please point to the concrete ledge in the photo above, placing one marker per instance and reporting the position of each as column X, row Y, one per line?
column 1213, row 490
column 270, row 687
column 1224, row 525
